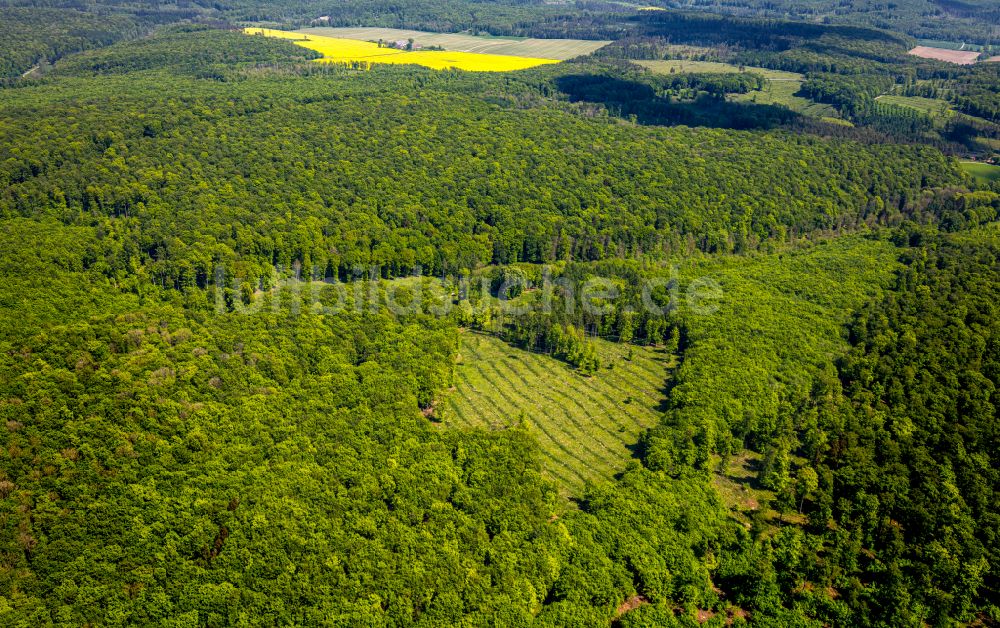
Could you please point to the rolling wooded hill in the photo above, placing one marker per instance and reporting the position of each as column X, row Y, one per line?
column 581, row 345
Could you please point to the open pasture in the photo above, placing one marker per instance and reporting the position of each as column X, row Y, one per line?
column 584, row 425
column 982, row 172
column 557, row 49
column 339, row 50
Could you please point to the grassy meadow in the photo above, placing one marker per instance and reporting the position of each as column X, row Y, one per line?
column 340, row 50
column 585, row 426
column 984, row 173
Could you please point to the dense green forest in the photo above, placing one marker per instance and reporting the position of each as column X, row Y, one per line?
column 31, row 36
column 38, row 31
column 929, row 19
column 475, row 179
column 34, row 34
column 236, row 282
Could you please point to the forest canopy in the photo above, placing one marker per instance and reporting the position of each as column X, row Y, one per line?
column 239, row 287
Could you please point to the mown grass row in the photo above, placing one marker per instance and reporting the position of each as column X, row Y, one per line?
column 585, row 426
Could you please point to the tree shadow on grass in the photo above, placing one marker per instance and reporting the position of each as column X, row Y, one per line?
column 639, row 101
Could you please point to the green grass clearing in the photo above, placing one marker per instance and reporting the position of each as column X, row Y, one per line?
column 736, row 483
column 984, row 173
column 585, row 426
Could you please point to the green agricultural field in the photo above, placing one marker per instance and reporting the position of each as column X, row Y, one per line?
column 584, row 425
column 780, row 89
column 985, row 173
column 559, row 49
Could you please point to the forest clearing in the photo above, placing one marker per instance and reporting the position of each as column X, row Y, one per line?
column 980, row 171
column 586, row 426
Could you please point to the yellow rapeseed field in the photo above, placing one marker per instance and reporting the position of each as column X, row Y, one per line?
column 336, row 50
